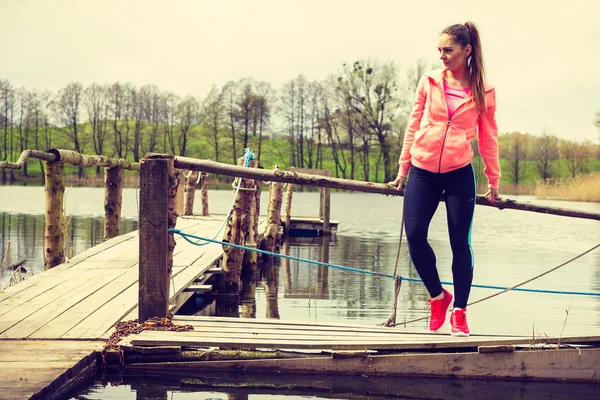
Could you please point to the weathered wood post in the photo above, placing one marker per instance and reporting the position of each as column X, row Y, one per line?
column 326, row 211
column 288, row 208
column 204, row 193
column 54, row 238
column 235, row 231
column 158, row 190
column 273, row 216
column 270, row 273
column 190, row 193
column 180, row 193
column 113, row 197
column 323, row 271
column 248, row 297
column 251, row 238
column 325, row 203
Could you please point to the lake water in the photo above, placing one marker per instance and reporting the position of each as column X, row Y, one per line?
column 509, row 247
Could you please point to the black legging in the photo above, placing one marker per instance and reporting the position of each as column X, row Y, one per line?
column 421, row 199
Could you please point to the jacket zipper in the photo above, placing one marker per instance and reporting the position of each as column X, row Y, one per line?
column 444, row 143
column 447, row 125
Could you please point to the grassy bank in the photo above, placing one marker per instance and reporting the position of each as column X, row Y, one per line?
column 582, row 188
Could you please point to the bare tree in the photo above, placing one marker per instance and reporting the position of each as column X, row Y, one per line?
column 576, row 155
column 68, row 108
column 7, row 96
column 301, row 114
column 213, row 111
column 331, row 125
column 313, row 132
column 545, row 153
column 153, row 116
column 514, row 148
column 35, row 104
column 170, row 102
column 287, row 108
column 137, row 114
column 413, row 75
column 229, row 93
column 262, row 110
column 245, row 108
column 22, row 97
column 120, row 109
column 95, row 101
column 372, row 94
column 187, row 115
column 47, row 110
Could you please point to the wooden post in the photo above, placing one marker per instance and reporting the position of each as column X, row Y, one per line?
column 251, row 238
column 190, row 193
column 158, row 188
column 273, row 216
column 204, row 193
column 288, row 208
column 54, row 238
column 180, row 193
column 248, row 294
column 113, row 195
column 326, row 211
column 237, row 227
column 270, row 273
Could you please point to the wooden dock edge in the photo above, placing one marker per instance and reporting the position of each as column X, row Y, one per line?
column 565, row 365
column 84, row 370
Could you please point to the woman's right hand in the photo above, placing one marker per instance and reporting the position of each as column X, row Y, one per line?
column 398, row 183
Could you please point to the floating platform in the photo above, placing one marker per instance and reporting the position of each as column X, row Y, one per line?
column 309, row 226
column 363, row 350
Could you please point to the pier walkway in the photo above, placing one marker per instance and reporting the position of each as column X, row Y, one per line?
column 83, row 298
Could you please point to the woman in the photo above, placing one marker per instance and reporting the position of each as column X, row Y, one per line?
column 452, row 106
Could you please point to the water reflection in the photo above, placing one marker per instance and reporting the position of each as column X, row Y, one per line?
column 509, row 246
column 25, row 232
column 225, row 385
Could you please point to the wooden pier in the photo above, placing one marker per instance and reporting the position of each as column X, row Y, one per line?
column 54, row 325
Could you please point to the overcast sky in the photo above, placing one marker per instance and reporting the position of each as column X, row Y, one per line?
column 543, row 56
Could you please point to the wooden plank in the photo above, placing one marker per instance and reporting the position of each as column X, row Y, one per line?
column 250, row 337
column 222, row 331
column 50, row 365
column 98, row 249
column 44, row 276
column 153, row 338
column 12, row 299
column 66, row 321
column 198, row 288
column 24, row 310
column 124, row 251
column 311, row 325
column 121, row 308
column 183, row 279
column 559, row 365
column 57, row 303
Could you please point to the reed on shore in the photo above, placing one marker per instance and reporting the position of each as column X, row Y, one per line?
column 581, row 188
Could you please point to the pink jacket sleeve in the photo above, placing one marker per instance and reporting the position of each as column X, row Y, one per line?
column 413, row 125
column 488, row 142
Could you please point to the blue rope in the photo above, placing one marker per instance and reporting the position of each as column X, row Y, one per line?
column 248, row 156
column 187, row 237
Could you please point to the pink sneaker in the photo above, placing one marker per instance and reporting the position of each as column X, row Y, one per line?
column 438, row 310
column 458, row 322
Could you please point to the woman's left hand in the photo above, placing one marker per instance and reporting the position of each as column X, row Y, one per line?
column 492, row 195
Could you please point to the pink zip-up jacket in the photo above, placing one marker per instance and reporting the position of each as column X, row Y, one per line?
column 436, row 143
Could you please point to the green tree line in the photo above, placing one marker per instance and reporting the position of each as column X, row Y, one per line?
column 352, row 123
